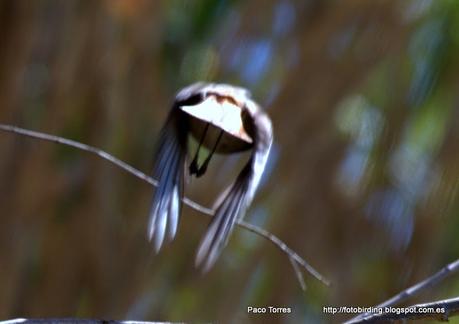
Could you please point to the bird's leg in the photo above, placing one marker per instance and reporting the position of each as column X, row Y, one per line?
column 203, row 167
column 194, row 169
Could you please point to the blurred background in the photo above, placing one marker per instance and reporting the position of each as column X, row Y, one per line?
column 363, row 179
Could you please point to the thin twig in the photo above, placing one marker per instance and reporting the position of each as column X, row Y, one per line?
column 299, row 274
column 74, row 321
column 440, row 310
column 293, row 256
column 415, row 289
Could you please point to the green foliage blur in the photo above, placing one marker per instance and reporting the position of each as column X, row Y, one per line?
column 363, row 180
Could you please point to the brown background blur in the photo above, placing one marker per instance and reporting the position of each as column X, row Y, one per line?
column 363, row 180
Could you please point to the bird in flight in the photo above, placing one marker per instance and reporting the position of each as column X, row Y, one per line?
column 224, row 119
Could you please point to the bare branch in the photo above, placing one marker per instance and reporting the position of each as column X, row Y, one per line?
column 440, row 310
column 295, row 259
column 415, row 289
column 73, row 321
column 299, row 274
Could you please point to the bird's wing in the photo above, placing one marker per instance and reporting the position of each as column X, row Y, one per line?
column 237, row 198
column 169, row 172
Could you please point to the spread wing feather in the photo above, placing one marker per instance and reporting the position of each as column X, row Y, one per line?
column 169, row 170
column 233, row 205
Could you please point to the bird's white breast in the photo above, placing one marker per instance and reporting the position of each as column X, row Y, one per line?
column 222, row 115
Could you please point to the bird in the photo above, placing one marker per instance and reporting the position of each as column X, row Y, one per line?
column 224, row 119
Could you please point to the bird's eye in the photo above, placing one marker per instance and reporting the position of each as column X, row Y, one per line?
column 192, row 100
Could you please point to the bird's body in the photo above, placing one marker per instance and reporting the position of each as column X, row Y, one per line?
column 223, row 108
column 225, row 120
column 228, row 144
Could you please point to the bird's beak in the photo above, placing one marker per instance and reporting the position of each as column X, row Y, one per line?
column 222, row 114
